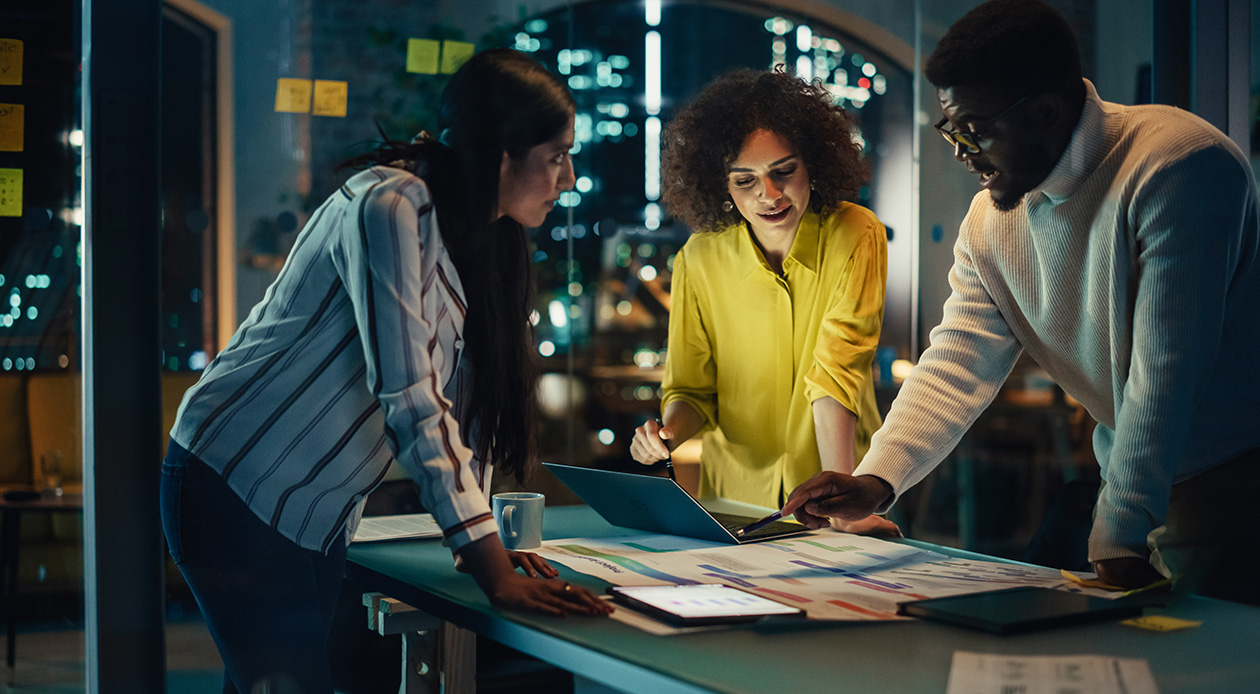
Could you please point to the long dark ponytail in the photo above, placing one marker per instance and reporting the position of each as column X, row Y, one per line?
column 500, row 101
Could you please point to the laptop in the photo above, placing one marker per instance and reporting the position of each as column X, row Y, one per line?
column 659, row 505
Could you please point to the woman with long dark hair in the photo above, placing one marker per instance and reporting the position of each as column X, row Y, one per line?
column 397, row 331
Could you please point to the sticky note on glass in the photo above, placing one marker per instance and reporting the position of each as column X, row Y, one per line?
column 1159, row 622
column 455, row 54
column 10, row 61
column 12, row 127
column 330, row 98
column 422, row 56
column 292, row 95
column 10, row 192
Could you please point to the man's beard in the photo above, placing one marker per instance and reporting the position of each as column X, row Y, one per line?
column 1025, row 184
column 1006, row 204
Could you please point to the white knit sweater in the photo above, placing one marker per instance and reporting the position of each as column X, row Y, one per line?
column 1132, row 276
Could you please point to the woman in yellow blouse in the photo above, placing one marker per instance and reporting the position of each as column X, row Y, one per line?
column 779, row 297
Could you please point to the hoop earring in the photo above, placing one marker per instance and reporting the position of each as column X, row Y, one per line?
column 727, row 206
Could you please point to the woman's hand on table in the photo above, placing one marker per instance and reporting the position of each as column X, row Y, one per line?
column 495, row 572
column 532, row 564
column 549, row 596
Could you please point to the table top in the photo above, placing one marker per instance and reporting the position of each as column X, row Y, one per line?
column 902, row 656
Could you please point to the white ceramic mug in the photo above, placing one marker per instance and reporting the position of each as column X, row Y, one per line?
column 520, row 518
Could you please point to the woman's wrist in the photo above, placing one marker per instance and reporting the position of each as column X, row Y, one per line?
column 487, row 561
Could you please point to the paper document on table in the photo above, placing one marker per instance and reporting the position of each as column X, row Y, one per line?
column 986, row 673
column 830, row 575
column 412, row 526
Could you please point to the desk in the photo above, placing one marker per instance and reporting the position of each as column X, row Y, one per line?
column 10, row 546
column 889, row 657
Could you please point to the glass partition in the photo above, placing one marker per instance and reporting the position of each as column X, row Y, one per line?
column 40, row 263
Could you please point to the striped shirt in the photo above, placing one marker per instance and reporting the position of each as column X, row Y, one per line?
column 1132, row 276
column 344, row 366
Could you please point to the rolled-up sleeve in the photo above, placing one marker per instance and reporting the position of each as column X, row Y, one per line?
column 387, row 268
column 849, row 332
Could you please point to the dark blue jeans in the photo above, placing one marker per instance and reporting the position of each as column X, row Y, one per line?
column 268, row 603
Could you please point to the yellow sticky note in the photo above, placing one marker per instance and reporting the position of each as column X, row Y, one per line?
column 1087, row 582
column 1161, row 623
column 10, row 192
column 330, row 98
column 422, row 56
column 455, row 54
column 293, row 95
column 12, row 127
column 10, row 61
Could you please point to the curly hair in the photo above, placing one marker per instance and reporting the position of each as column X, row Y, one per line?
column 705, row 138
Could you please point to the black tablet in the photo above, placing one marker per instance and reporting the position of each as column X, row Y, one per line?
column 701, row 603
column 1016, row 610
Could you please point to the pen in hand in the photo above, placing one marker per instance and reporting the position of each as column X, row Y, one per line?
column 669, row 463
column 760, row 523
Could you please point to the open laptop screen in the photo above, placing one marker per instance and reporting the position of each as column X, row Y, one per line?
column 659, row 505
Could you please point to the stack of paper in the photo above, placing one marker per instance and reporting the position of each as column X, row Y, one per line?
column 831, row 575
column 412, row 526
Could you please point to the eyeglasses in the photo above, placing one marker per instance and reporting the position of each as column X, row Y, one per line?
column 970, row 141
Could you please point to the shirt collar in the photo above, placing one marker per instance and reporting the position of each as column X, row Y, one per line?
column 804, row 251
column 805, row 245
column 1093, row 137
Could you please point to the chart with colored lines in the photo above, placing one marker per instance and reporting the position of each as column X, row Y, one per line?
column 831, row 575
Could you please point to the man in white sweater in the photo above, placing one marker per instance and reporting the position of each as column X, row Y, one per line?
column 1117, row 246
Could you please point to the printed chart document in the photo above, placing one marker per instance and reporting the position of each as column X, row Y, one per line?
column 412, row 526
column 988, row 673
column 831, row 575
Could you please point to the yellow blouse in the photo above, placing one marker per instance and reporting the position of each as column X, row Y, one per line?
column 751, row 350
